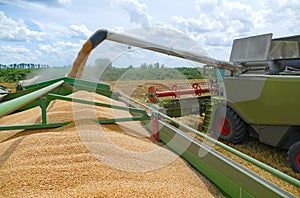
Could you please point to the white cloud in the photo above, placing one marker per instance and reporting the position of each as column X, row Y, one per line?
column 50, row 3
column 15, row 54
column 55, row 54
column 118, row 29
column 49, row 49
column 220, row 22
column 260, row 20
column 226, row 14
column 193, row 25
column 283, row 4
column 14, row 49
column 60, row 51
column 68, row 44
column 218, row 39
column 138, row 12
column 68, row 23
column 11, row 30
column 280, row 17
column 65, row 2
column 80, row 31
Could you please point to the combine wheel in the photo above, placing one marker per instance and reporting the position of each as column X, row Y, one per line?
column 294, row 157
column 228, row 126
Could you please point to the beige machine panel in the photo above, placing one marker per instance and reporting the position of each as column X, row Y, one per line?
column 252, row 49
column 284, row 50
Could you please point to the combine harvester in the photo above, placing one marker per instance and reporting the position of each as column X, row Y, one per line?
column 265, row 103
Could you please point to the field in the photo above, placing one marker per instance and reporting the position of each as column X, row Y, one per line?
column 11, row 86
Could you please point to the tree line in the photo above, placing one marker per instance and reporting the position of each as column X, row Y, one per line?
column 24, row 66
column 113, row 74
column 146, row 71
column 102, row 70
column 10, row 75
column 18, row 71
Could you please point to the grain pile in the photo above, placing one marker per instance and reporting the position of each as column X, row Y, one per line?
column 79, row 161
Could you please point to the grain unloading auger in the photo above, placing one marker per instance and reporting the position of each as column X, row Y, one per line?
column 101, row 35
column 233, row 179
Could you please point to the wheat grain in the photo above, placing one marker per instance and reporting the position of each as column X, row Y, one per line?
column 56, row 163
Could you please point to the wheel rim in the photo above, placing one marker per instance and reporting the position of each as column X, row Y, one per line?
column 298, row 159
column 224, row 127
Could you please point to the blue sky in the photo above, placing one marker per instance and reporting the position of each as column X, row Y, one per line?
column 53, row 31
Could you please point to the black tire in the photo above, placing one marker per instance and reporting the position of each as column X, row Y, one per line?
column 228, row 126
column 294, row 157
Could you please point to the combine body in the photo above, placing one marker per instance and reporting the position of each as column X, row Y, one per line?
column 269, row 104
column 265, row 97
column 259, row 97
column 263, row 100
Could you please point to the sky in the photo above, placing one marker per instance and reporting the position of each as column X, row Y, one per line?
column 53, row 31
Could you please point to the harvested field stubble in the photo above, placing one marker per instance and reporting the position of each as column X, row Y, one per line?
column 59, row 163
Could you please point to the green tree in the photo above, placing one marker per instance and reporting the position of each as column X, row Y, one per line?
column 143, row 65
column 12, row 74
column 103, row 63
